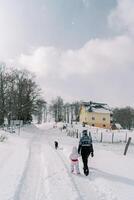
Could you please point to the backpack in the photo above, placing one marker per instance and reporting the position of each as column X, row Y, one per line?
column 86, row 141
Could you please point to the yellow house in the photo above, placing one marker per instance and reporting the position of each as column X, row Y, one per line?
column 96, row 114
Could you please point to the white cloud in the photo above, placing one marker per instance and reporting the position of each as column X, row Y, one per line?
column 122, row 18
column 96, row 55
column 101, row 69
column 41, row 60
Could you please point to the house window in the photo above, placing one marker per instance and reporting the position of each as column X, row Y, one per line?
column 92, row 124
column 104, row 118
column 93, row 118
column 104, row 125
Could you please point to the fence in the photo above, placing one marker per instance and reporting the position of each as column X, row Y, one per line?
column 102, row 135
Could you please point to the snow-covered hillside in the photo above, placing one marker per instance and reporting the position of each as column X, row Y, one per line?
column 31, row 169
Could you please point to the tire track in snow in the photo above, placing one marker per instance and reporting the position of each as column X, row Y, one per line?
column 21, row 183
column 31, row 181
column 18, row 191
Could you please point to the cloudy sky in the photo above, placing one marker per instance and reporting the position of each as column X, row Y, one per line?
column 78, row 49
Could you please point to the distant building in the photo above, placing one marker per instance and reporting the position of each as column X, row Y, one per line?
column 96, row 114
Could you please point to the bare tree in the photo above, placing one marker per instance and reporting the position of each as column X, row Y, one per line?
column 3, row 87
column 57, row 108
column 76, row 106
column 18, row 94
column 40, row 106
column 124, row 116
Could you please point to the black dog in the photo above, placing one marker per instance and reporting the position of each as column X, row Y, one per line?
column 56, row 144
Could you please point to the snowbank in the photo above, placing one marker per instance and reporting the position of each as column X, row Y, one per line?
column 13, row 157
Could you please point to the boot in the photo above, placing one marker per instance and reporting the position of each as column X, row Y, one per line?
column 86, row 171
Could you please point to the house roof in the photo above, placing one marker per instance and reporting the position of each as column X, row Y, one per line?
column 96, row 107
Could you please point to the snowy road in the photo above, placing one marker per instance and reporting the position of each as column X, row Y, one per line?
column 33, row 170
column 47, row 175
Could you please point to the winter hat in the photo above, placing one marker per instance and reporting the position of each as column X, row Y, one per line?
column 84, row 132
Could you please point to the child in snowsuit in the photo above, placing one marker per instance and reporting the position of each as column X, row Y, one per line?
column 74, row 160
column 85, row 148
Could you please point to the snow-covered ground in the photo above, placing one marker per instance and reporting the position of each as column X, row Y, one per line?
column 31, row 169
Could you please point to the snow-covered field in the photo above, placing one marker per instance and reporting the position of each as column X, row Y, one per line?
column 31, row 169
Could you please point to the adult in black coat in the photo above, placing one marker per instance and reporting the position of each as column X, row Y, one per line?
column 85, row 148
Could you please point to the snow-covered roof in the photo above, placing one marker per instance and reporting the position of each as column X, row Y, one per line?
column 118, row 126
column 97, row 107
column 101, row 110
